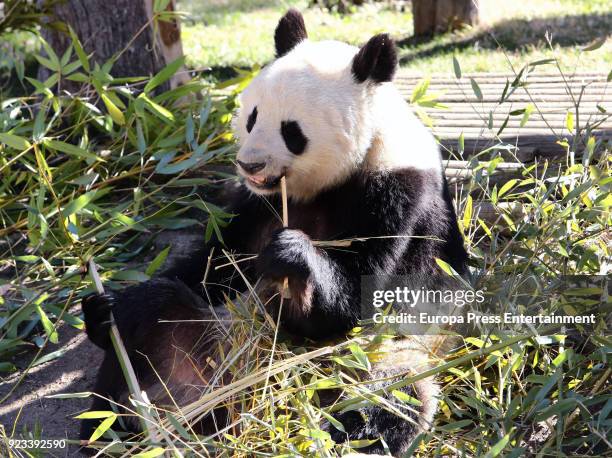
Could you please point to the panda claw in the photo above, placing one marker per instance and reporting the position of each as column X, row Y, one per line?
column 97, row 312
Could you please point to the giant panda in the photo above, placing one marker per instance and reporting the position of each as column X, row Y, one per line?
column 358, row 165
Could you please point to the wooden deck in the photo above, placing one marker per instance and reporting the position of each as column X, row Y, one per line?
column 480, row 120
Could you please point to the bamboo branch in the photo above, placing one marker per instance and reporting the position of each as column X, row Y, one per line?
column 285, row 293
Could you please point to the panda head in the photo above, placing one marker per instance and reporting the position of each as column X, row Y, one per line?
column 307, row 115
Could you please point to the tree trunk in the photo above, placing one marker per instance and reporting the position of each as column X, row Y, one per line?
column 108, row 28
column 438, row 16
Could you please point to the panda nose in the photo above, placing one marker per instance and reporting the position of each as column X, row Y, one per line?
column 251, row 167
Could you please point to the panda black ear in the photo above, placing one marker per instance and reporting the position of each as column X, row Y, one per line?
column 376, row 60
column 290, row 30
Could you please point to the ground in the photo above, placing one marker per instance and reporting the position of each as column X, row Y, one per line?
column 28, row 405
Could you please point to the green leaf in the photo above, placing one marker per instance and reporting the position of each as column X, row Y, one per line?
column 95, row 414
column 558, row 408
column 15, row 141
column 157, row 110
column 7, row 367
column 406, row 398
column 103, row 427
column 503, row 126
column 157, row 451
column 53, row 66
column 456, row 67
column 160, row 5
column 541, row 62
column 49, row 357
column 178, row 426
column 598, row 43
column 508, row 185
column 499, row 447
column 130, row 275
column 335, row 423
column 50, row 52
column 419, row 90
column 47, row 325
column 164, row 74
column 79, row 203
column 446, row 267
column 79, row 395
column 569, row 121
column 158, row 261
column 360, row 356
column 467, row 213
column 71, row 149
column 526, row 114
column 455, row 425
column 476, row 89
column 115, row 114
column 79, row 50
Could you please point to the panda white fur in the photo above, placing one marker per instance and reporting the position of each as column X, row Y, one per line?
column 358, row 164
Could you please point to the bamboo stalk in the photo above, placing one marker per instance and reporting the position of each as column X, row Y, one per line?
column 285, row 293
column 146, row 421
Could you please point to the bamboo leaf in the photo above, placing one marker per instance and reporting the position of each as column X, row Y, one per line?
column 467, row 213
column 526, row 114
column 103, row 427
column 456, row 68
column 507, row 187
column 157, row 109
column 499, row 447
column 569, row 121
column 114, row 112
column 154, row 452
column 15, row 141
column 79, row 203
column 158, row 261
column 446, row 267
column 598, row 43
column 333, row 421
column 406, row 398
column 71, row 149
column 476, row 89
column 95, row 414
column 79, row 50
column 47, row 325
column 164, row 74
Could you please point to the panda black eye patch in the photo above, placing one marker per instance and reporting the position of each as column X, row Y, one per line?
column 294, row 138
column 251, row 120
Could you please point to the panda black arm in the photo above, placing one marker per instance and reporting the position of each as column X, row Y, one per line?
column 247, row 212
column 329, row 281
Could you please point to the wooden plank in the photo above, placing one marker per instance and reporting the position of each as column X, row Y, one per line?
column 553, row 97
column 502, row 77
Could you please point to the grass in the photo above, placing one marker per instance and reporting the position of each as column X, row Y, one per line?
column 227, row 33
column 216, row 37
column 81, row 181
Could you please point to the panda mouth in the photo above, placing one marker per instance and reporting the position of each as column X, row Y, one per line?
column 266, row 183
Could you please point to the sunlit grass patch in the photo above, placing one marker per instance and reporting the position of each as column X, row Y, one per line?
column 234, row 33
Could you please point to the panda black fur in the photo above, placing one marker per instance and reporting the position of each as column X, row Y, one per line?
column 358, row 164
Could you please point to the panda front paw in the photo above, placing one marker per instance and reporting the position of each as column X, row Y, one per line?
column 286, row 256
column 97, row 311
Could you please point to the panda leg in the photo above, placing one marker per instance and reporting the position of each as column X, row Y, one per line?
column 109, row 385
column 374, row 422
column 137, row 311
